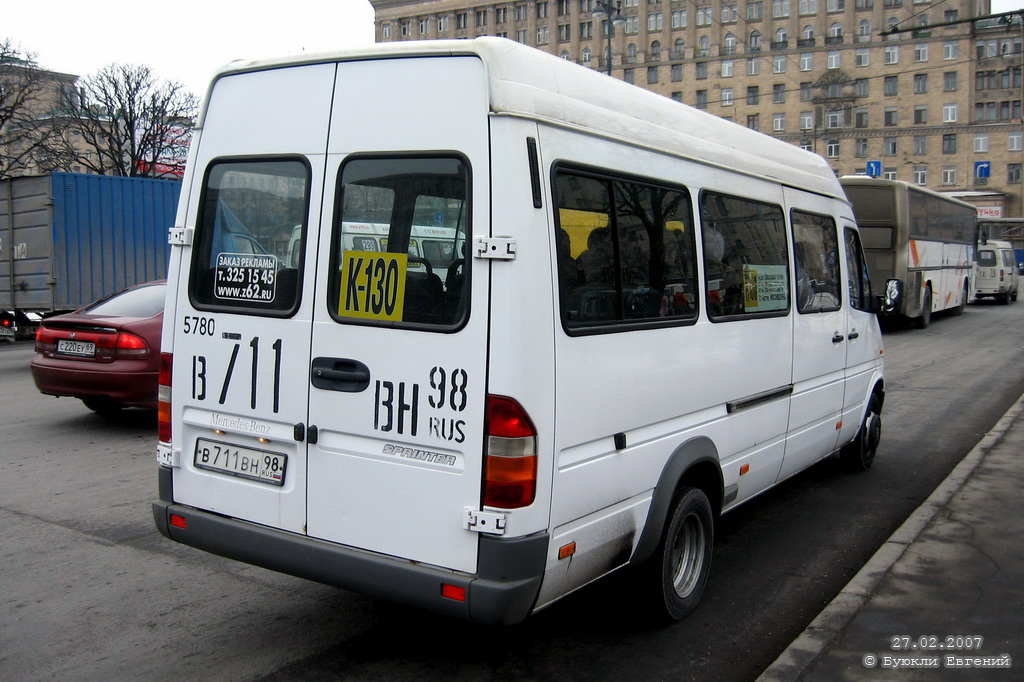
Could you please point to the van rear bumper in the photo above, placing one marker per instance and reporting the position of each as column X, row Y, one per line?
column 503, row 591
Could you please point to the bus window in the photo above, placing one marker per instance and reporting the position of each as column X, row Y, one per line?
column 816, row 248
column 746, row 263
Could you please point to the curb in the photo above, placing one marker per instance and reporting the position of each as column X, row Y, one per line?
column 815, row 641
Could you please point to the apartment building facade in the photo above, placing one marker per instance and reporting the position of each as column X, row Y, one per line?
column 904, row 89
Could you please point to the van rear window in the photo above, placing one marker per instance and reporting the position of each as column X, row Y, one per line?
column 987, row 259
column 399, row 244
column 250, row 234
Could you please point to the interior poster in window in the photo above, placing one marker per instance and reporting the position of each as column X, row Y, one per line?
column 765, row 288
column 246, row 277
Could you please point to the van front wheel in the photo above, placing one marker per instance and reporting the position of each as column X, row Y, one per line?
column 859, row 454
column 683, row 559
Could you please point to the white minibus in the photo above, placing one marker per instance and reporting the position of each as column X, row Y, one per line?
column 537, row 325
column 997, row 274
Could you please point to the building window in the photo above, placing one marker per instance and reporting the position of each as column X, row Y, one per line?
column 832, row 149
column 920, row 175
column 652, row 75
column 921, row 114
column 860, row 118
column 920, row 83
column 860, row 148
column 950, row 51
column 543, row 35
column 1013, row 173
column 889, row 146
column 677, row 96
column 727, row 97
column 949, row 113
column 702, row 99
column 806, row 120
column 586, row 30
column 949, row 143
column 806, row 61
column 587, row 56
column 808, row 6
column 385, row 31
column 629, row 75
column 564, row 33
column 834, row 119
column 779, row 93
column 754, row 121
column 780, row 8
column 727, row 68
column 753, row 94
column 778, row 123
column 920, row 145
column 542, row 10
column 981, row 143
column 949, row 81
column 949, row 175
column 861, row 87
column 864, row 31
column 754, row 66
column 862, row 57
column 892, row 54
column 779, row 64
column 679, row 19
column 655, row 22
column 755, row 10
column 501, row 15
column 891, row 86
column 921, row 52
column 702, row 71
column 890, row 117
column 677, row 72
column 806, row 91
column 834, row 60
column 462, row 20
column 1015, row 142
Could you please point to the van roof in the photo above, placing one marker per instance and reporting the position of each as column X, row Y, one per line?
column 524, row 81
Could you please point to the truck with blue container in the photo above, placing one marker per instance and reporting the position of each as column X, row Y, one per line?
column 67, row 239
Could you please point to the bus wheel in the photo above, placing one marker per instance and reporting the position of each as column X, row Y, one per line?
column 680, row 566
column 859, row 454
column 926, row 309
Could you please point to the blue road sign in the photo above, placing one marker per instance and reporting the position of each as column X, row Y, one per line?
column 982, row 169
column 875, row 168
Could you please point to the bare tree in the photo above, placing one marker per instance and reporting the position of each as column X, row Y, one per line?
column 132, row 123
column 31, row 124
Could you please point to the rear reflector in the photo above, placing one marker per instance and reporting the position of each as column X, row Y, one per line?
column 453, row 592
column 510, row 476
column 178, row 521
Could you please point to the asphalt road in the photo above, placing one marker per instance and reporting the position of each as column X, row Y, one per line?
column 90, row 591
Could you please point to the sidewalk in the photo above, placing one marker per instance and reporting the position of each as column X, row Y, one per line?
column 954, row 569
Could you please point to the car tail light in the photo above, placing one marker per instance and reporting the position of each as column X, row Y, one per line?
column 46, row 340
column 131, row 346
column 164, row 398
column 510, row 470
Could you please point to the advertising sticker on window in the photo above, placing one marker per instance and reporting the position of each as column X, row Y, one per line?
column 765, row 288
column 246, row 277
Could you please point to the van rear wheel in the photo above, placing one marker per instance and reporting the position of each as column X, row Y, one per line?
column 679, row 569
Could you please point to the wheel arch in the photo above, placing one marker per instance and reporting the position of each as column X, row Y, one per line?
column 694, row 463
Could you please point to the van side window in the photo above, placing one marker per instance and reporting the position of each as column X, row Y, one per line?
column 857, row 277
column 626, row 251
column 816, row 251
column 399, row 244
column 250, row 237
column 746, row 260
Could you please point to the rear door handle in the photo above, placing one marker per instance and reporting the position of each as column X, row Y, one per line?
column 853, row 335
column 339, row 374
column 838, row 338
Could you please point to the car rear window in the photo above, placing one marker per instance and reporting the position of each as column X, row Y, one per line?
column 141, row 302
column 987, row 259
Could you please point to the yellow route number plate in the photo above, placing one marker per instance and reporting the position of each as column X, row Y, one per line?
column 373, row 285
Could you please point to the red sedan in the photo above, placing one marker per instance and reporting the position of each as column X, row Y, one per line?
column 107, row 353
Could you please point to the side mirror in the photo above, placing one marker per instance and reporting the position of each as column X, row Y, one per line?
column 892, row 297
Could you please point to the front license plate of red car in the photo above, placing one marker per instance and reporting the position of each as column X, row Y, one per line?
column 83, row 349
column 256, row 465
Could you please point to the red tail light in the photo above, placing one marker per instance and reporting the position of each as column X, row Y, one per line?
column 131, row 346
column 510, row 470
column 164, row 398
column 46, row 340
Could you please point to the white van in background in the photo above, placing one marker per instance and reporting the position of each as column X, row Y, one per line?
column 536, row 325
column 997, row 274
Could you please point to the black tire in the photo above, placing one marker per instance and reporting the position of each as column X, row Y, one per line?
column 1004, row 299
column 678, row 571
column 104, row 406
column 925, row 319
column 859, row 454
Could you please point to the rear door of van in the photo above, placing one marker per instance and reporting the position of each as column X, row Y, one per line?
column 398, row 350
column 241, row 330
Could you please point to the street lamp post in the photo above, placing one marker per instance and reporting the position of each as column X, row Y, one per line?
column 605, row 9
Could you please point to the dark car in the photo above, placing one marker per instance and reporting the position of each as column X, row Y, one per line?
column 107, row 353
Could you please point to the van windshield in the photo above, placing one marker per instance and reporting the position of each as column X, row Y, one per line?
column 399, row 246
